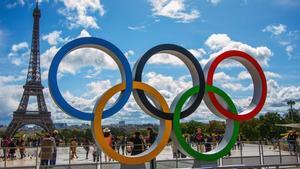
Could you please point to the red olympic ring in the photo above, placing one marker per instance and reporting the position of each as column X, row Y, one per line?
column 240, row 55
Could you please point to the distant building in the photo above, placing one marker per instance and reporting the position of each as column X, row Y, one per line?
column 122, row 123
column 60, row 125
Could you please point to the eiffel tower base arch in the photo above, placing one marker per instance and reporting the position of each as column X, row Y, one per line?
column 20, row 120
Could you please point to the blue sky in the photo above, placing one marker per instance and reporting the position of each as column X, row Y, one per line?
column 267, row 30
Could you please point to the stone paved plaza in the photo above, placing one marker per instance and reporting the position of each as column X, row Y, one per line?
column 63, row 155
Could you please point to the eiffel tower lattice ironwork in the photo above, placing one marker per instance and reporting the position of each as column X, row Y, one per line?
column 32, row 88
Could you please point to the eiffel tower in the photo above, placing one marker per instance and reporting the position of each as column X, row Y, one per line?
column 33, row 87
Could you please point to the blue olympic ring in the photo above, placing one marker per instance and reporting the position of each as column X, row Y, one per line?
column 103, row 45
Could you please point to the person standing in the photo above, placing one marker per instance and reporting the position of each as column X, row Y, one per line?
column 96, row 153
column 199, row 140
column 150, row 140
column 138, row 144
column 22, row 148
column 208, row 143
column 108, row 140
column 4, row 145
column 293, row 141
column 86, row 146
column 56, row 141
column 123, row 142
column 12, row 148
column 289, row 140
column 46, row 153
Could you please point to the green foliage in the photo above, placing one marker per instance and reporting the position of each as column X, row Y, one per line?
column 191, row 127
column 267, row 127
column 262, row 127
column 250, row 129
column 217, row 127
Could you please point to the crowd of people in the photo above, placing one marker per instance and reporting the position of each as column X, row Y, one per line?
column 129, row 145
column 292, row 141
column 12, row 145
column 49, row 142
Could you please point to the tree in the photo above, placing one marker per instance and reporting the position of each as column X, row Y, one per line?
column 250, row 129
column 268, row 129
column 191, row 127
column 217, row 127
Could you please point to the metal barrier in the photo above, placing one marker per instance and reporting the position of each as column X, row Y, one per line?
column 244, row 155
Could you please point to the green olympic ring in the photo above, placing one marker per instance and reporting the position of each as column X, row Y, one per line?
column 227, row 142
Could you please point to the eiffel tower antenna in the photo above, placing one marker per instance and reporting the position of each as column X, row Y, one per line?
column 32, row 88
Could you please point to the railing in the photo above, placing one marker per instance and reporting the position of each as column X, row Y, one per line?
column 248, row 154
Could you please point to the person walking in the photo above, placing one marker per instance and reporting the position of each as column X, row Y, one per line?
column 46, row 153
column 74, row 148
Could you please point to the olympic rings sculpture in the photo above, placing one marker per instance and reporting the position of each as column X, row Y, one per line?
column 216, row 100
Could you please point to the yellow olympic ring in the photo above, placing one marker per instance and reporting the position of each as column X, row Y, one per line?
column 156, row 147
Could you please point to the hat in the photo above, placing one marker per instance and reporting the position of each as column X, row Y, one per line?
column 55, row 131
column 106, row 130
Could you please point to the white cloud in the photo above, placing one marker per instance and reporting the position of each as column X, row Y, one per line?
column 74, row 61
column 275, row 29
column 92, row 92
column 269, row 75
column 236, row 86
column 78, row 12
column 134, row 28
column 19, row 46
column 244, row 75
column 220, row 43
column 78, row 59
column 19, row 53
column 198, row 53
column 278, row 96
column 10, row 94
column 163, row 58
column 84, row 33
column 129, row 53
column 214, row 2
column 289, row 39
column 10, row 79
column 217, row 41
column 289, row 50
column 170, row 87
column 54, row 37
column 221, row 76
column 168, row 59
column 16, row 3
column 47, row 57
column 175, row 9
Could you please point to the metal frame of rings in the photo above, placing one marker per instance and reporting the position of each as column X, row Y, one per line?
column 216, row 99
